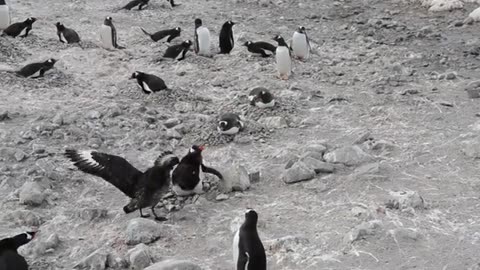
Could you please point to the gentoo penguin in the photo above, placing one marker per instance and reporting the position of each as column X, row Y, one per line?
column 248, row 250
column 9, row 257
column 226, row 37
column 283, row 57
column 301, row 44
column 4, row 15
column 162, row 34
column 37, row 69
column 145, row 189
column 186, row 177
column 264, row 48
column 172, row 3
column 19, row 28
column 148, row 82
column 202, row 39
column 66, row 35
column 140, row 3
column 261, row 98
column 108, row 35
column 230, row 124
column 178, row 51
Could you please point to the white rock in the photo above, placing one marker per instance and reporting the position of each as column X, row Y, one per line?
column 97, row 260
column 236, row 178
column 297, row 173
column 442, row 5
column 139, row 257
column 286, row 243
column 31, row 193
column 174, row 264
column 405, row 199
column 141, row 230
column 348, row 155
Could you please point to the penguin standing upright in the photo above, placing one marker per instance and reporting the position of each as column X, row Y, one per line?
column 4, row 15
column 178, row 51
column 283, row 58
column 301, row 44
column 20, row 27
column 226, row 37
column 66, row 35
column 248, row 250
column 148, row 82
column 108, row 35
column 202, row 39
column 9, row 257
column 186, row 177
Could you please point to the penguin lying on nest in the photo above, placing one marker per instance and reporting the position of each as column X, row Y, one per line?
column 9, row 257
column 145, row 189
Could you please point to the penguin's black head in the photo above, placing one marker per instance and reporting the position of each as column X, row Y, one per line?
column 187, row 43
column 301, row 29
column 247, row 43
column 198, row 23
column 251, row 217
column 229, row 23
column 223, row 125
column 60, row 26
column 135, row 75
column 23, row 238
column 51, row 61
column 108, row 21
column 178, row 29
column 280, row 40
column 31, row 20
column 196, row 149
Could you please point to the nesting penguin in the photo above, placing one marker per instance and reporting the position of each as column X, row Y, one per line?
column 148, row 82
column 202, row 39
column 178, row 51
column 187, row 177
column 248, row 250
column 230, row 124
column 283, row 58
column 168, row 34
column 301, row 44
column 66, row 35
column 264, row 48
column 108, row 35
column 4, row 15
column 21, row 27
column 36, row 70
column 140, row 3
column 145, row 189
column 261, row 97
column 9, row 257
column 226, row 37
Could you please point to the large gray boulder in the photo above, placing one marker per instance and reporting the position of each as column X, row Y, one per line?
column 141, row 230
column 139, row 257
column 297, row 173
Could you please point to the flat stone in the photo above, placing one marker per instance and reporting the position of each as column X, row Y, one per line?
column 174, row 264
column 139, row 257
column 141, row 230
column 405, row 199
column 348, row 155
column 31, row 193
column 169, row 123
column 297, row 173
column 221, row 197
column 318, row 166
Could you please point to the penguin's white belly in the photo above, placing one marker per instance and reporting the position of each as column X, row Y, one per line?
column 300, row 45
column 106, row 37
column 198, row 189
column 262, row 105
column 146, row 87
column 62, row 37
column 37, row 73
column 231, row 131
column 203, row 40
column 23, row 32
column 179, row 55
column 284, row 63
column 235, row 249
column 4, row 17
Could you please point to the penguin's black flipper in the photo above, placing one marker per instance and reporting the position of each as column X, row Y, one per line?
column 114, row 169
column 206, row 169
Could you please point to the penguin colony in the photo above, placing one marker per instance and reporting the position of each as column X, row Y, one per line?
column 183, row 176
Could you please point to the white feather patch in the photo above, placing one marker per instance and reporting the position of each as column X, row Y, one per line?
column 231, row 131
column 235, row 248
column 284, row 62
column 203, row 41
column 262, row 105
column 29, row 236
column 106, row 37
column 87, row 156
column 146, row 87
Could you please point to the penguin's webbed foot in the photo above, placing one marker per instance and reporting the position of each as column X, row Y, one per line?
column 145, row 215
column 161, row 218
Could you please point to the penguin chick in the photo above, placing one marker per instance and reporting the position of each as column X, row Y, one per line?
column 145, row 189
column 162, row 34
column 9, row 257
column 21, row 27
column 230, row 124
column 148, row 82
column 264, row 48
column 66, row 35
column 261, row 98
column 37, row 69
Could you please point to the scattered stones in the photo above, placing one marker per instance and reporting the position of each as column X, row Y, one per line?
column 94, row 114
column 169, row 123
column 42, row 246
column 368, row 169
column 471, row 149
column 315, row 148
column 20, row 155
column 31, row 193
column 286, row 243
column 4, row 116
column 23, row 218
column 383, row 145
column 173, row 134
column 273, row 122
column 297, row 173
column 97, row 260
column 92, row 214
column 362, row 231
column 139, row 257
column 254, row 177
column 405, row 199
column 221, row 197
column 363, row 138
column 141, row 230
column 318, row 166
column 406, row 234
column 58, row 119
column 348, row 155
column 174, row 264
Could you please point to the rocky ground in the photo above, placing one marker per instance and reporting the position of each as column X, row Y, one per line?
column 370, row 161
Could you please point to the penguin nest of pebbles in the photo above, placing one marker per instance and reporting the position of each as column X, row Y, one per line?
column 10, row 53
